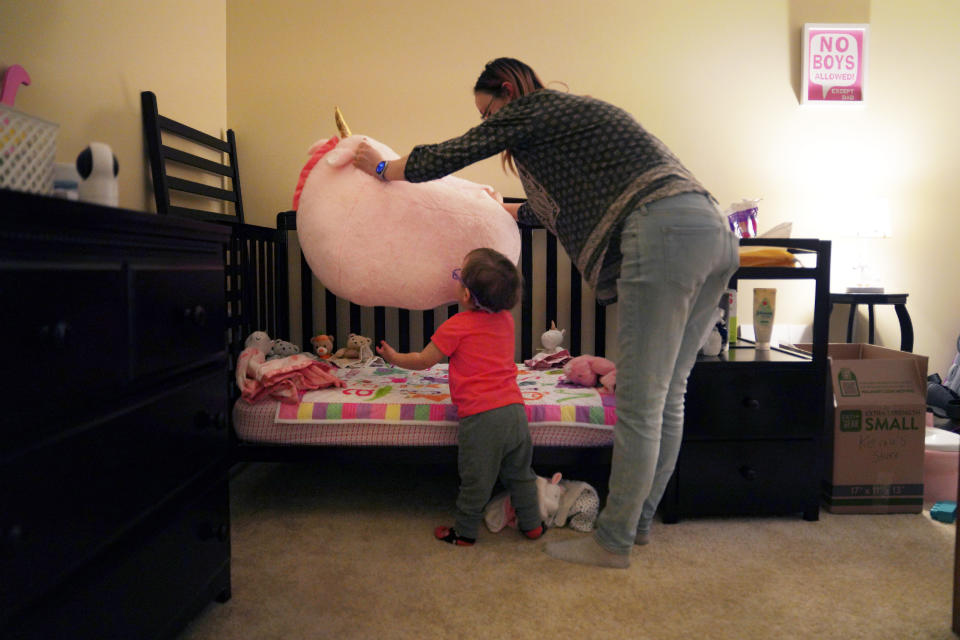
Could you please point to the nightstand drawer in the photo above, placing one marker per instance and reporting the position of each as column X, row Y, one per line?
column 177, row 317
column 71, row 498
column 726, row 403
column 747, row 477
column 65, row 333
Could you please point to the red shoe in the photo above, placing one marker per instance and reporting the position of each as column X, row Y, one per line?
column 447, row 534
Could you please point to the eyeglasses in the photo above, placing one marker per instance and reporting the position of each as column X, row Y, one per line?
column 455, row 274
column 486, row 112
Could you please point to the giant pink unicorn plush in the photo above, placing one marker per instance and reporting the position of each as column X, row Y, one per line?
column 392, row 244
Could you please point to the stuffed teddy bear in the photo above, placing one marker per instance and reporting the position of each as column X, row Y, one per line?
column 282, row 349
column 358, row 347
column 322, row 345
column 588, row 371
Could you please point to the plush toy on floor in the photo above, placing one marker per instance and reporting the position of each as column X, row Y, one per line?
column 562, row 503
column 589, row 371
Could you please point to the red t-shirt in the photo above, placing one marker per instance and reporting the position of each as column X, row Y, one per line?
column 483, row 375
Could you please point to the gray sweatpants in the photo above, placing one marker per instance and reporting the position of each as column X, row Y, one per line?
column 491, row 444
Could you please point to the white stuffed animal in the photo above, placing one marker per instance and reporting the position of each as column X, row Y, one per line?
column 499, row 513
column 552, row 355
column 549, row 492
column 261, row 341
column 552, row 339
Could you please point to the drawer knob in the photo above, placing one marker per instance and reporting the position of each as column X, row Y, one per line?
column 209, row 531
column 748, row 472
column 13, row 534
column 209, row 420
column 751, row 403
column 197, row 315
column 57, row 334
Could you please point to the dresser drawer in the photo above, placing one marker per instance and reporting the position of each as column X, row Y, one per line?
column 178, row 317
column 151, row 591
column 723, row 402
column 66, row 336
column 747, row 477
column 68, row 500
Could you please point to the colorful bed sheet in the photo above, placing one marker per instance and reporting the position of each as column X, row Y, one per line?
column 388, row 395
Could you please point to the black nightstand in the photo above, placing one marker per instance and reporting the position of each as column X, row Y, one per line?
column 754, row 420
column 899, row 302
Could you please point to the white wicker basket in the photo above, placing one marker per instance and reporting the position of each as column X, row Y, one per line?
column 28, row 147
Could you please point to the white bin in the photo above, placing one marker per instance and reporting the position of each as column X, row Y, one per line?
column 940, row 464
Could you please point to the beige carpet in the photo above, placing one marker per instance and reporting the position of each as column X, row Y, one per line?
column 321, row 552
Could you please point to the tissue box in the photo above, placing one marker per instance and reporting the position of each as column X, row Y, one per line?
column 28, row 146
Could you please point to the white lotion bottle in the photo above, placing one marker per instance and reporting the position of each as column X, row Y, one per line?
column 764, row 307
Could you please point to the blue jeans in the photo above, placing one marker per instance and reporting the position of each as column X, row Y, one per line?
column 678, row 256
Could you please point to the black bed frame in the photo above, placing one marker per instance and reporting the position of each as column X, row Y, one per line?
column 258, row 277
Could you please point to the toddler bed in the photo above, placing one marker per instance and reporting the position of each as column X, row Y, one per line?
column 391, row 414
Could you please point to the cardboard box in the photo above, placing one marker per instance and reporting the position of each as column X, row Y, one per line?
column 874, row 451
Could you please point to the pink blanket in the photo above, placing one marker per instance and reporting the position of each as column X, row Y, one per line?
column 281, row 378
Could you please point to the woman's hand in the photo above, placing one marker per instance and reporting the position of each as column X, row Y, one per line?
column 367, row 158
column 512, row 208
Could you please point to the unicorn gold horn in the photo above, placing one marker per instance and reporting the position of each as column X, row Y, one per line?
column 341, row 123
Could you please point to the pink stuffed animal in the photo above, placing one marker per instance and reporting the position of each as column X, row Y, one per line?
column 393, row 244
column 587, row 371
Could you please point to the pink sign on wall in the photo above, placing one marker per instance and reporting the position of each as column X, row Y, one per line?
column 834, row 64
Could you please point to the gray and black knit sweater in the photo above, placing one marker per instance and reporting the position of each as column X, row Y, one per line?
column 584, row 165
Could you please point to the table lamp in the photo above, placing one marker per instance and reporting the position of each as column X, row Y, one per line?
column 871, row 220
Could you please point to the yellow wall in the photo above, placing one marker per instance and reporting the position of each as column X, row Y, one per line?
column 89, row 60
column 716, row 80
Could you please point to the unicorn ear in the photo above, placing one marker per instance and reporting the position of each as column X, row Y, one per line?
column 556, row 478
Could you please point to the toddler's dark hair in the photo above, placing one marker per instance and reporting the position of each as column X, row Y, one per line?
column 492, row 278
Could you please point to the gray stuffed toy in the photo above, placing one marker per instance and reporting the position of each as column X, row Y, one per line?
column 282, row 349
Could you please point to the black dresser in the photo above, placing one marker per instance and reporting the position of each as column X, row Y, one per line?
column 754, row 421
column 114, row 513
